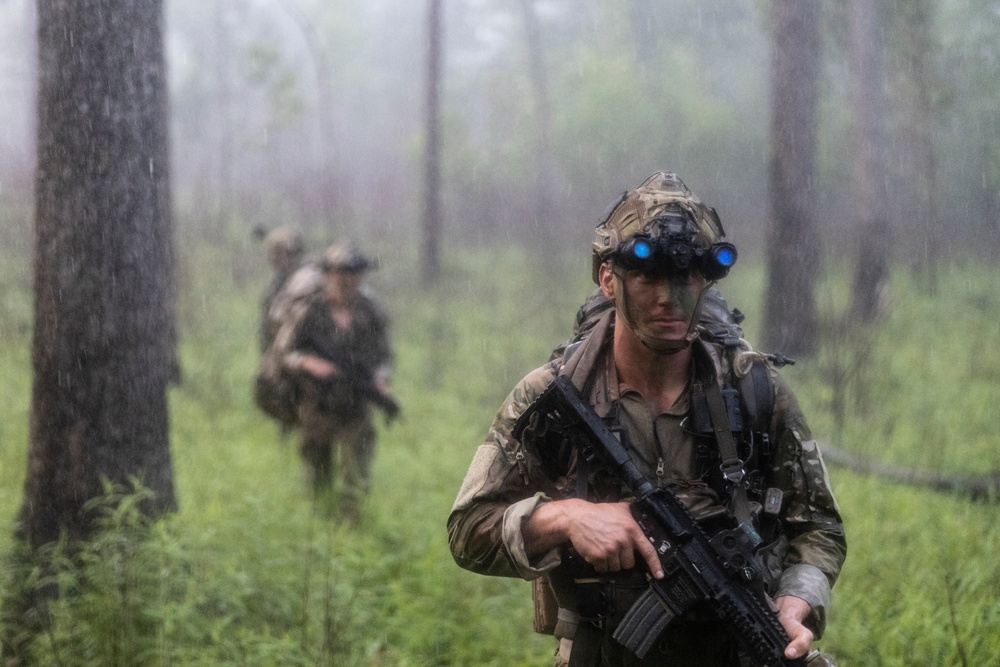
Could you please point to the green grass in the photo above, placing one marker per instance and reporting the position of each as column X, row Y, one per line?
column 251, row 571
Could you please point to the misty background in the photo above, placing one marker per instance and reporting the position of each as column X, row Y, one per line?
column 312, row 112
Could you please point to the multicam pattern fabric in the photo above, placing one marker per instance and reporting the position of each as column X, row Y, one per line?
column 268, row 326
column 638, row 207
column 275, row 383
column 508, row 479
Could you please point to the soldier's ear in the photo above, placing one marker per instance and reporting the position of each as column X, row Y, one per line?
column 606, row 280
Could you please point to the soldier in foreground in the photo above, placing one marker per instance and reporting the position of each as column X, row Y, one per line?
column 533, row 506
column 340, row 351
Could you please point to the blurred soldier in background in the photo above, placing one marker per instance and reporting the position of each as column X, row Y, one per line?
column 539, row 509
column 340, row 352
column 285, row 249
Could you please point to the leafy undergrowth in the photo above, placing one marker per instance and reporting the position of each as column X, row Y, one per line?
column 253, row 571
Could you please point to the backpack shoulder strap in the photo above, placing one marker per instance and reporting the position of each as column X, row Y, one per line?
column 756, row 388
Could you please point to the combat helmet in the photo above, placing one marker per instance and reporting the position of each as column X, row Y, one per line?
column 662, row 209
column 346, row 256
column 284, row 239
column 661, row 228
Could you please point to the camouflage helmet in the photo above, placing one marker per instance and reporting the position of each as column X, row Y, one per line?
column 635, row 210
column 285, row 238
column 345, row 256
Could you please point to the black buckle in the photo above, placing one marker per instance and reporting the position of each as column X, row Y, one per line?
column 733, row 473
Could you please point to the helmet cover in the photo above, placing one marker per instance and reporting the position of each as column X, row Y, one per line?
column 636, row 210
column 345, row 256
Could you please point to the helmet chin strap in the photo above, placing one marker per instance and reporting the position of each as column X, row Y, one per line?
column 662, row 346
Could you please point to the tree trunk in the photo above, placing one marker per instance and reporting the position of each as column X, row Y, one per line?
column 222, row 187
column 431, row 261
column 543, row 134
column 326, row 122
column 868, row 104
column 982, row 487
column 103, row 331
column 790, row 308
column 918, row 161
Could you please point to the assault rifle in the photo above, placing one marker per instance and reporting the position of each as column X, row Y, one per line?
column 721, row 571
column 359, row 378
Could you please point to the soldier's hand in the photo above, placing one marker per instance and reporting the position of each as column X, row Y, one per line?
column 317, row 367
column 791, row 612
column 604, row 534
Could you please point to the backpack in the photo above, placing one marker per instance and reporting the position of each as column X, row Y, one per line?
column 275, row 387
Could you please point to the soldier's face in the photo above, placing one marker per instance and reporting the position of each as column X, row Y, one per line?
column 282, row 259
column 343, row 285
column 661, row 306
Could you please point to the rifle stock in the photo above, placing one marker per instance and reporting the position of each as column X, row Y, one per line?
column 721, row 571
column 360, row 379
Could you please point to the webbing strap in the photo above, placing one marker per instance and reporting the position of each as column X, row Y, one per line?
column 586, row 646
column 732, row 466
column 763, row 397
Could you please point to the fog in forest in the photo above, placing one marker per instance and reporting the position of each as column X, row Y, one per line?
column 313, row 112
column 852, row 151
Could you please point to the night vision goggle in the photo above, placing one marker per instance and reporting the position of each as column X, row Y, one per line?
column 673, row 250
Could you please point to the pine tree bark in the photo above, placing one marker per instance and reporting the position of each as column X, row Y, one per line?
column 793, row 255
column 868, row 107
column 431, row 219
column 102, row 351
column 917, row 159
column 542, row 122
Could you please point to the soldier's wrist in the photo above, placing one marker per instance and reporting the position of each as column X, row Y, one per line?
column 293, row 360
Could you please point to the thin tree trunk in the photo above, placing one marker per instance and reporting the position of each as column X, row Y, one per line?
column 868, row 105
column 326, row 125
column 790, row 308
column 921, row 167
column 221, row 198
column 542, row 123
column 431, row 261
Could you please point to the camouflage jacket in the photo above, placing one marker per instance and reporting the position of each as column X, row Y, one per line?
column 364, row 345
column 507, row 479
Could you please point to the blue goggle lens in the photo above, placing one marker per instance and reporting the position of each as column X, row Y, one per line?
column 642, row 250
column 725, row 256
column 674, row 255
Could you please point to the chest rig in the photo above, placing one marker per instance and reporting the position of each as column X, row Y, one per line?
column 729, row 418
column 731, row 424
column 730, row 421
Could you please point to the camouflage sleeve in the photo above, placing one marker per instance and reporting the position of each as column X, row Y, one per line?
column 503, row 485
column 810, row 516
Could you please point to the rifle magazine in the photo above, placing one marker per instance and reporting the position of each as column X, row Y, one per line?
column 643, row 624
